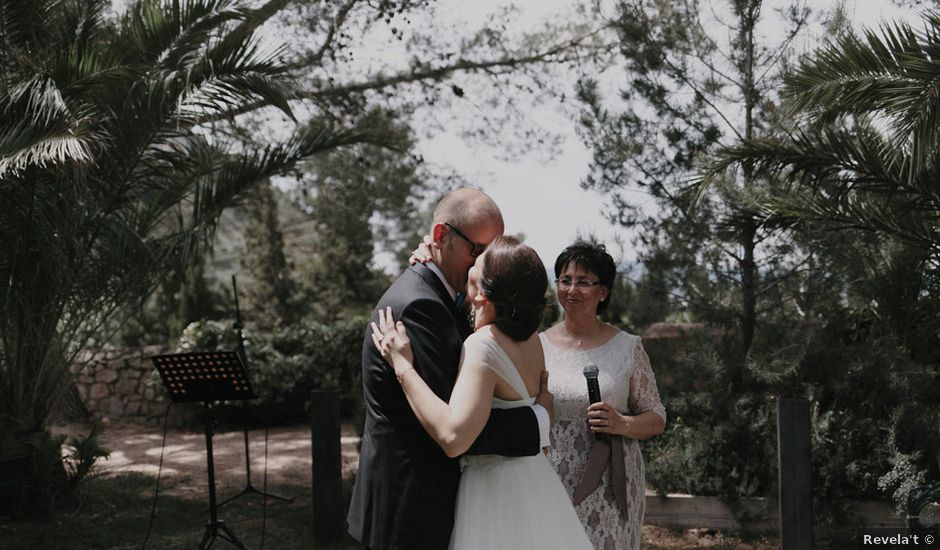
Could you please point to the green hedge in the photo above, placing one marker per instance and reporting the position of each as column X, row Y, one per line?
column 875, row 418
column 287, row 364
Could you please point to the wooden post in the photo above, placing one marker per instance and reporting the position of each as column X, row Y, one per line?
column 796, row 494
column 328, row 523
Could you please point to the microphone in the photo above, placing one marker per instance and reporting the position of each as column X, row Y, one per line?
column 594, row 391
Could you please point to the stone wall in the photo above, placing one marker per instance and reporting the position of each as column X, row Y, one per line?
column 123, row 385
column 120, row 384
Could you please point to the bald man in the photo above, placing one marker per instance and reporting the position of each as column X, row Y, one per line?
column 406, row 486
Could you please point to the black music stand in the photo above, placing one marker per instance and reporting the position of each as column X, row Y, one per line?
column 206, row 377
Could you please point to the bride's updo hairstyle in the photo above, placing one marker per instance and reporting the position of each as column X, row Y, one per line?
column 514, row 281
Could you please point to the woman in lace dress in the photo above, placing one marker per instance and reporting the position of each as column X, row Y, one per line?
column 630, row 409
column 503, row 503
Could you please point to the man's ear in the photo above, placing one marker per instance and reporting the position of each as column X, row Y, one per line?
column 437, row 234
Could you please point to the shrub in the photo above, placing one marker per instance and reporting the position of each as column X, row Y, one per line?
column 288, row 363
column 82, row 453
column 35, row 472
column 873, row 420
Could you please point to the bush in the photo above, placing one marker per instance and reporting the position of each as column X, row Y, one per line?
column 35, row 473
column 715, row 443
column 874, row 417
column 289, row 363
column 82, row 453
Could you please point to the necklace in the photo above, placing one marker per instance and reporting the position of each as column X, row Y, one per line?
column 579, row 341
column 583, row 358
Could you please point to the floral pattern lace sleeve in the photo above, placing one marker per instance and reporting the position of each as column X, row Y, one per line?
column 644, row 395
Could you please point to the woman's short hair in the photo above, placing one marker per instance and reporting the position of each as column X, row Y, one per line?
column 594, row 258
column 514, row 281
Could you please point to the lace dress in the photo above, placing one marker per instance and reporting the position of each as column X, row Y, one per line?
column 511, row 503
column 627, row 383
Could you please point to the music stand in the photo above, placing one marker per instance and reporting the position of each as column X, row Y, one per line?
column 206, row 377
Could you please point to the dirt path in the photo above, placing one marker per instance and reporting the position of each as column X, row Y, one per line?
column 137, row 447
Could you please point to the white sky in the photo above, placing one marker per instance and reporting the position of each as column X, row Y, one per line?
column 542, row 198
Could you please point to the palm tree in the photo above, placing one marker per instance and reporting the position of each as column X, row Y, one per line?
column 109, row 173
column 862, row 145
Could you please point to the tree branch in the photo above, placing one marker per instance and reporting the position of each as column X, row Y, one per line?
column 380, row 82
column 338, row 21
column 461, row 65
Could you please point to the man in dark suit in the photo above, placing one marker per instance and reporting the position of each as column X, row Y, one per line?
column 406, row 486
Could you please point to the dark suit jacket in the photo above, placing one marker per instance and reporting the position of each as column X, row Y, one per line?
column 406, row 486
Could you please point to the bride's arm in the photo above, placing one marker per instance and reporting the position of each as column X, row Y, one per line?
column 453, row 426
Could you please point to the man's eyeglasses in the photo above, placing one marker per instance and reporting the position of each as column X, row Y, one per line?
column 475, row 248
column 566, row 283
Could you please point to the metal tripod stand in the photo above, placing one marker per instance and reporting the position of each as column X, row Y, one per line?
column 215, row 528
column 249, row 488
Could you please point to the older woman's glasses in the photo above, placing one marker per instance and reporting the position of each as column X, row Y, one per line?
column 583, row 284
column 475, row 248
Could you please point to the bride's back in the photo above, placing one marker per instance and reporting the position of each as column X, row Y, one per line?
column 527, row 357
column 507, row 287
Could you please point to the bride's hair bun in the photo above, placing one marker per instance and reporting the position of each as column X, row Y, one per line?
column 514, row 281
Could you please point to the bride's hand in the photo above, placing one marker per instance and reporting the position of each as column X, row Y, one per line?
column 391, row 339
column 421, row 254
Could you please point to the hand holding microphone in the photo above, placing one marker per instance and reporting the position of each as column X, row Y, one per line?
column 594, row 395
column 602, row 418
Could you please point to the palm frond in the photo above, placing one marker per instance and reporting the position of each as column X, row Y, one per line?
column 233, row 83
column 82, row 23
column 105, row 174
column 858, row 74
column 49, row 150
column 42, row 128
column 894, row 74
column 866, row 212
column 162, row 33
column 237, row 66
column 24, row 23
column 859, row 157
column 843, row 178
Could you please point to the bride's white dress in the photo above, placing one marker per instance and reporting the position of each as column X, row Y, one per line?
column 512, row 503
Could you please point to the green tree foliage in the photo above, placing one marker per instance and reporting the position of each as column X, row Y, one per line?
column 272, row 296
column 863, row 136
column 696, row 75
column 861, row 158
column 859, row 151
column 108, row 178
column 287, row 363
column 814, row 255
column 357, row 200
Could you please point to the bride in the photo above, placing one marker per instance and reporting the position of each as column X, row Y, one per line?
column 503, row 502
